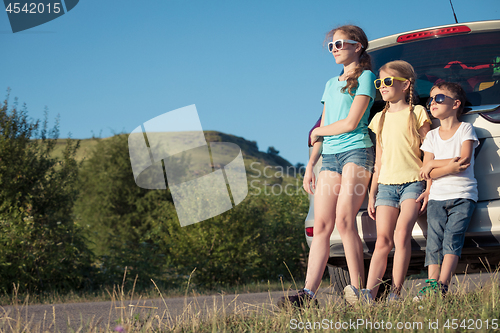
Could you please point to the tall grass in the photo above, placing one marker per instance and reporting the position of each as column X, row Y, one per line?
column 105, row 293
column 466, row 308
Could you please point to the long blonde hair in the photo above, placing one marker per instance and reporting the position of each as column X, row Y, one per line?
column 403, row 69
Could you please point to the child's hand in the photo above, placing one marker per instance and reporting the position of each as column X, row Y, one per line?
column 457, row 165
column 314, row 136
column 425, row 171
column 424, row 199
column 309, row 181
column 371, row 208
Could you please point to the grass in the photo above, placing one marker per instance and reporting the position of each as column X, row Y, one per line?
column 106, row 294
column 466, row 308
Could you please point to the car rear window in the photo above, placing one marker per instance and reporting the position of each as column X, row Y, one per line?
column 471, row 60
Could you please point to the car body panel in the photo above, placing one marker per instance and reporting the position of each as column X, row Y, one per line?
column 388, row 41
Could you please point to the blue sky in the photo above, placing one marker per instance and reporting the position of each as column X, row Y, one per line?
column 254, row 69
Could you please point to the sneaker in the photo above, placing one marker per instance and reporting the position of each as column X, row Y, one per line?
column 301, row 300
column 351, row 294
column 365, row 295
column 434, row 287
column 392, row 297
column 444, row 288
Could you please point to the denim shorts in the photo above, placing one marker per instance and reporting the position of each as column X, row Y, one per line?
column 447, row 222
column 394, row 195
column 364, row 157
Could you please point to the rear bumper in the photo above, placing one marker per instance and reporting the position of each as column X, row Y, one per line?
column 482, row 239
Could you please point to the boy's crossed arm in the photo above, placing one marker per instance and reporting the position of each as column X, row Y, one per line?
column 433, row 169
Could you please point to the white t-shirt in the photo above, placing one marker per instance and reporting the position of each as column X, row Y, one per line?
column 460, row 185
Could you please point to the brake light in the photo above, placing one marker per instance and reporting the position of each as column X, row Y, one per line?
column 310, row 231
column 433, row 33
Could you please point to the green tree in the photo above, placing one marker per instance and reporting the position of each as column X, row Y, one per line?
column 116, row 210
column 40, row 245
column 119, row 214
column 272, row 151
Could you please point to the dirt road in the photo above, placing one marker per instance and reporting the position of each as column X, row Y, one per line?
column 74, row 316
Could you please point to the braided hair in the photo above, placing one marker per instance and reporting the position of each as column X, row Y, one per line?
column 403, row 69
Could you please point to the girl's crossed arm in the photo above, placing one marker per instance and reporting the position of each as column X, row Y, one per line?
column 348, row 124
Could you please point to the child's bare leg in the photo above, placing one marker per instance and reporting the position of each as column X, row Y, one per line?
column 402, row 241
column 325, row 201
column 354, row 185
column 449, row 266
column 386, row 221
column 433, row 271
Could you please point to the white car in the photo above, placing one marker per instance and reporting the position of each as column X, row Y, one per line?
column 468, row 54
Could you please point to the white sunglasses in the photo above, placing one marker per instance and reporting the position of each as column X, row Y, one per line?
column 339, row 44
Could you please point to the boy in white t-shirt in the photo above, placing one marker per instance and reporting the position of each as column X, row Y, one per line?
column 449, row 164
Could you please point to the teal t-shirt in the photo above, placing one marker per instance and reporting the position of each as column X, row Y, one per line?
column 337, row 106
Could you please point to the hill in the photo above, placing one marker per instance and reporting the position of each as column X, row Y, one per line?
column 263, row 169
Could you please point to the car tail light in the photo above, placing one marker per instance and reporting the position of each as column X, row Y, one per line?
column 310, row 231
column 433, row 33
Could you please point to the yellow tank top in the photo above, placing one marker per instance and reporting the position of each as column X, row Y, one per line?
column 401, row 160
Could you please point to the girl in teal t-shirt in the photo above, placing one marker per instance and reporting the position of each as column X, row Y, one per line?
column 347, row 165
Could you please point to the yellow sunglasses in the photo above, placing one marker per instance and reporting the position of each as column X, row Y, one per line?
column 388, row 81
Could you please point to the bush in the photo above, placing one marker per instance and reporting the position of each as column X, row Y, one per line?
column 41, row 247
column 246, row 244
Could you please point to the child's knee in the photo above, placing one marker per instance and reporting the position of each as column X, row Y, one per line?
column 345, row 225
column 323, row 228
column 402, row 238
column 384, row 244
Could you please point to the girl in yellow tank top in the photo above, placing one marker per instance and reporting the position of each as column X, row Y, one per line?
column 397, row 194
